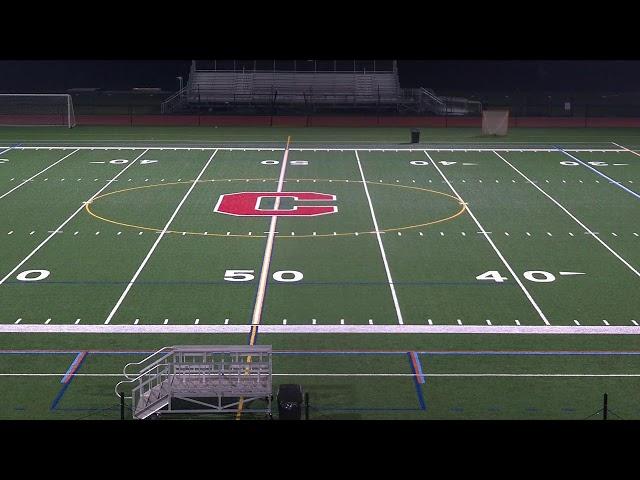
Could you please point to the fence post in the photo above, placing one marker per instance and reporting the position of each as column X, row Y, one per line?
column 605, row 406
column 306, row 405
column 121, row 405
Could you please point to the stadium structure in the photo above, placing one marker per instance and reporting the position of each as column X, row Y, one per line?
column 308, row 87
column 309, row 239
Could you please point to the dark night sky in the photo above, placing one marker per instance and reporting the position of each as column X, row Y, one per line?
column 452, row 75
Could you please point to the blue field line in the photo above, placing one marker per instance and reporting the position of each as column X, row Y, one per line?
column 68, row 378
column 74, row 367
column 611, row 180
column 416, row 383
column 347, row 353
column 421, row 377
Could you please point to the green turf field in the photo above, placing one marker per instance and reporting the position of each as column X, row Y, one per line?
column 461, row 278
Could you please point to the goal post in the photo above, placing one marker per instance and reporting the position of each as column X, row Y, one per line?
column 36, row 110
column 495, row 122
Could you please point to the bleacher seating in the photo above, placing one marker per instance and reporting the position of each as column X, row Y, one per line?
column 293, row 87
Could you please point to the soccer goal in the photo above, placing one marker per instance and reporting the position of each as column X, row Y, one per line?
column 495, row 122
column 36, row 110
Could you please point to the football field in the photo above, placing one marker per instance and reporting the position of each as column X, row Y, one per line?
column 441, row 280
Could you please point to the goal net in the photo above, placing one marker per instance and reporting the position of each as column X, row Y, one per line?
column 495, row 122
column 38, row 110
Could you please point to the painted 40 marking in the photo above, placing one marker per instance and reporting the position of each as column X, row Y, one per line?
column 538, row 276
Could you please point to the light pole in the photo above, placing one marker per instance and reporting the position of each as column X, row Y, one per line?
column 180, row 80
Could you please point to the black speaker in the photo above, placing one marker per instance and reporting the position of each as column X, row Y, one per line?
column 415, row 135
column 290, row 402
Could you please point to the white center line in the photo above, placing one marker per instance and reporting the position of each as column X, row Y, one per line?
column 382, row 252
column 493, row 245
column 155, row 244
column 266, row 259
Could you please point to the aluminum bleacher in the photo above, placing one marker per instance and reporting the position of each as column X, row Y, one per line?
column 215, row 89
column 292, row 87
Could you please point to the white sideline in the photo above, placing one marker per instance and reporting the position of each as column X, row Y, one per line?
column 61, row 226
column 324, row 329
column 331, row 149
column 266, row 259
column 34, row 176
column 155, row 244
column 493, row 245
column 382, row 252
column 587, row 229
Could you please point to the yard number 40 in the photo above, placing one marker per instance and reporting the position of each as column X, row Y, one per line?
column 539, row 276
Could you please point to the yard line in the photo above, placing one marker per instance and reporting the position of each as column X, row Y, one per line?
column 627, row 149
column 155, row 244
column 266, row 259
column 614, row 182
column 587, row 229
column 382, row 252
column 34, row 176
column 493, row 245
column 61, row 226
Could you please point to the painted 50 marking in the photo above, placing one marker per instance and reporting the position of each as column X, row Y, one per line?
column 286, row 276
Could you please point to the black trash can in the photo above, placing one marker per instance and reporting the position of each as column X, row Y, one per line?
column 290, row 402
column 415, row 135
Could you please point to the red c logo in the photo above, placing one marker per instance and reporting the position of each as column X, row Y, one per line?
column 247, row 204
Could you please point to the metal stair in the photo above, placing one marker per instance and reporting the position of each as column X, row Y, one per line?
column 200, row 379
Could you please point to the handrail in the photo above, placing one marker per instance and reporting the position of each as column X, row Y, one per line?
column 432, row 96
column 167, row 349
column 146, row 372
column 180, row 93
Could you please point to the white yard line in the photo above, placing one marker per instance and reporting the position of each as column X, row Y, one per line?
column 382, row 252
column 323, row 329
column 493, row 245
column 266, row 259
column 34, row 176
column 625, row 149
column 587, row 229
column 61, row 226
column 155, row 244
